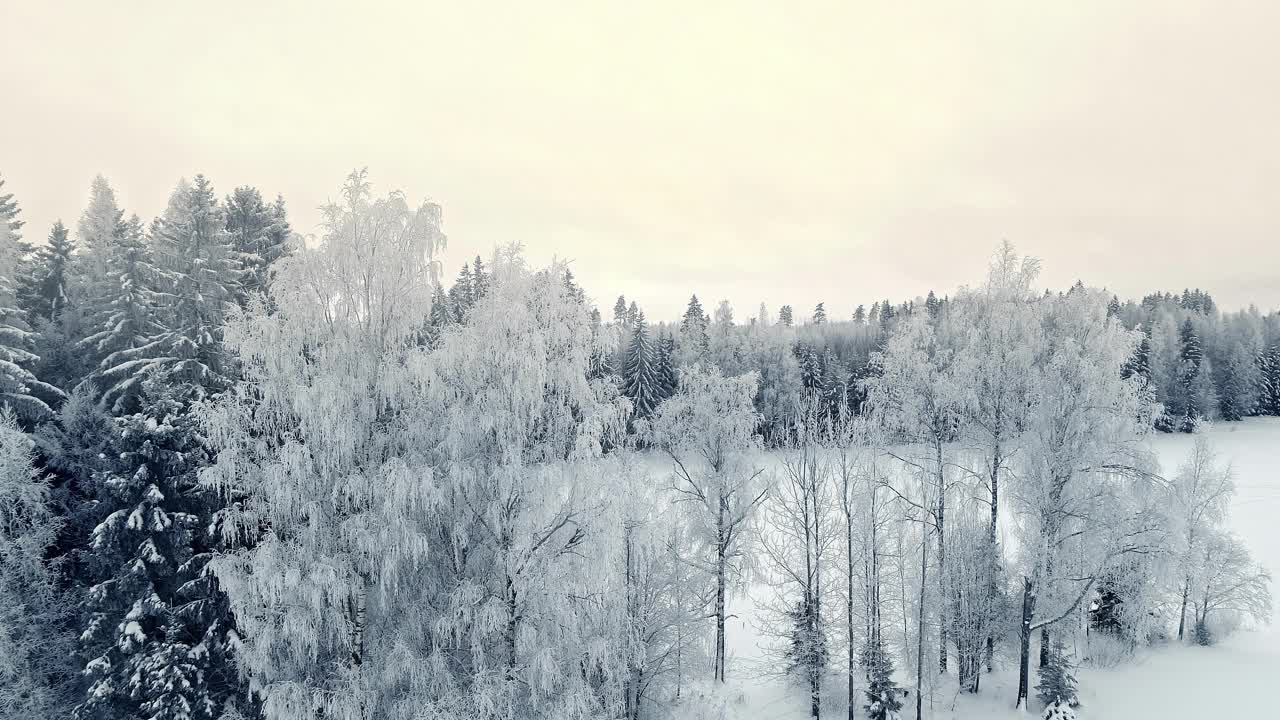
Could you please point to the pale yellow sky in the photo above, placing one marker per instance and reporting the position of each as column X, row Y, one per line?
column 788, row 152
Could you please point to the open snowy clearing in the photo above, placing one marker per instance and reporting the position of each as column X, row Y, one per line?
column 1156, row 683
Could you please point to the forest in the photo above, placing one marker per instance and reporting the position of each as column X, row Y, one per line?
column 247, row 474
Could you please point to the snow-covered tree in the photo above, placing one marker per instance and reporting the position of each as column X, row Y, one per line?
column 35, row 677
column 1084, row 455
column 999, row 335
column 708, row 430
column 143, row 657
column 259, row 234
column 917, row 399
column 640, row 374
column 802, row 521
column 1057, row 686
column 1269, row 381
column 819, row 314
column 786, row 316
column 1228, row 581
column 19, row 388
column 123, row 332
column 327, row 503
column 200, row 278
column 1198, row 496
column 50, row 269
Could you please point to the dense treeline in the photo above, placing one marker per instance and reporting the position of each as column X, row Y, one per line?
column 244, row 477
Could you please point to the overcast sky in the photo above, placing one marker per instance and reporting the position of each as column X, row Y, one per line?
column 788, row 152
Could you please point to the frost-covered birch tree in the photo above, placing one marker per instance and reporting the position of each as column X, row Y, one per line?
column 327, row 497
column 798, row 546
column 1083, row 450
column 708, row 430
column 36, row 678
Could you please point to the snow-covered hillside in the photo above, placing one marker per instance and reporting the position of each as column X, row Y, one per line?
column 1159, row 683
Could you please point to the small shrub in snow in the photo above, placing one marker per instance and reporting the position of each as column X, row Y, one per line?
column 1059, row 711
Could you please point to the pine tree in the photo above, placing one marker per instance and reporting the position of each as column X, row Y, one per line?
column 147, row 640
column 819, row 314
column 1113, row 307
column 640, row 382
column 50, row 275
column 860, row 315
column 200, row 279
column 785, row 316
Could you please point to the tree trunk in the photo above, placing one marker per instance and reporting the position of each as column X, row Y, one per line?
column 1024, row 642
column 994, row 587
column 1182, row 616
column 943, row 618
column 848, row 547
column 924, row 566
column 721, row 562
column 632, row 688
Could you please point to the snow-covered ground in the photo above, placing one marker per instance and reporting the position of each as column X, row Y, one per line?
column 1234, row 679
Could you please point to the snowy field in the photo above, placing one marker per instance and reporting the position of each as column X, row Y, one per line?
column 1233, row 679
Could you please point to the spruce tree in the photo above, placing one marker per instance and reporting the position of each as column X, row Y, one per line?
column 1140, row 363
column 620, row 311
column 200, row 279
column 819, row 314
column 259, row 234
column 693, row 329
column 1057, row 686
column 1269, row 381
column 884, row 700
column 441, row 316
column 860, row 315
column 1191, row 358
column 479, row 281
column 153, row 642
column 461, row 295
column 124, row 335
column 9, row 212
column 575, row 290
column 1237, row 384
column 20, row 390
column 668, row 379
column 50, row 274
column 933, row 305
column 640, row 376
